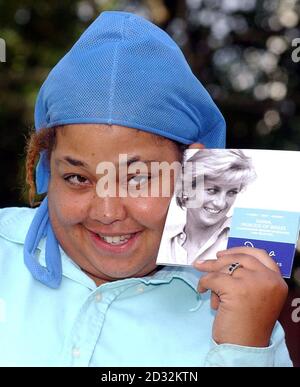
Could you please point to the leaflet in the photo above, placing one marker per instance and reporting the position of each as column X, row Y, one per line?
column 232, row 197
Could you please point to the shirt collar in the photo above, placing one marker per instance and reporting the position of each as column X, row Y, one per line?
column 70, row 268
column 189, row 275
column 165, row 275
column 224, row 226
column 179, row 240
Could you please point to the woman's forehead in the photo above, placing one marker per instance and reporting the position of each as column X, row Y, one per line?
column 89, row 130
column 108, row 140
column 222, row 183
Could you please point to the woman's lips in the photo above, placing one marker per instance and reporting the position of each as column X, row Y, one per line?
column 106, row 247
column 212, row 211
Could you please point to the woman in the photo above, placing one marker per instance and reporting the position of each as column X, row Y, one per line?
column 90, row 293
column 224, row 174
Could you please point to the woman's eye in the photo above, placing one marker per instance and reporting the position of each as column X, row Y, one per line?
column 233, row 193
column 77, row 180
column 211, row 191
column 138, row 180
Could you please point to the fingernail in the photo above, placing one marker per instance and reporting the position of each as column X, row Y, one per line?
column 222, row 252
column 199, row 262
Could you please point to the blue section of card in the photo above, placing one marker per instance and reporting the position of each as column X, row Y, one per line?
column 274, row 231
column 269, row 225
column 282, row 253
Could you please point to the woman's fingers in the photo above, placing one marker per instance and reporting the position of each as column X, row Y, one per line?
column 214, row 301
column 196, row 145
column 250, row 258
column 248, row 299
column 212, row 265
column 260, row 254
column 217, row 282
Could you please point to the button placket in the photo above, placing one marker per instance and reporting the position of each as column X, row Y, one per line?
column 88, row 326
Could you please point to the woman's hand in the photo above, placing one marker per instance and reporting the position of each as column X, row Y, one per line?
column 249, row 301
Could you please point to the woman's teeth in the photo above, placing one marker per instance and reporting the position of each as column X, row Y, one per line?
column 116, row 240
column 212, row 211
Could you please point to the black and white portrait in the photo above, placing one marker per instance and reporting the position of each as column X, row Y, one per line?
column 200, row 223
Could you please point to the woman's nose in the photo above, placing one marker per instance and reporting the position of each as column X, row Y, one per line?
column 219, row 201
column 107, row 210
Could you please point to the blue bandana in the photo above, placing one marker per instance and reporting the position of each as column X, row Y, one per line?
column 125, row 71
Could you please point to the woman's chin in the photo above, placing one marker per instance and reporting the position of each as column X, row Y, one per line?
column 112, row 273
column 209, row 222
column 116, row 267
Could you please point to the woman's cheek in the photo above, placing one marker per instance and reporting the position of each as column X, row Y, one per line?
column 206, row 198
column 68, row 207
column 151, row 212
column 232, row 200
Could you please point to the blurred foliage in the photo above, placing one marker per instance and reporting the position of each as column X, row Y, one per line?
column 240, row 50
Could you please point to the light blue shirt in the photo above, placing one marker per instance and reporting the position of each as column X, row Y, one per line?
column 158, row 320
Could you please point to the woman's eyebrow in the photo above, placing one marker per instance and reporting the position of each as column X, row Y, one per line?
column 79, row 163
column 74, row 162
column 135, row 159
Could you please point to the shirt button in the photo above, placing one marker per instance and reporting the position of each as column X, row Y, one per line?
column 181, row 236
column 140, row 288
column 76, row 352
column 98, row 297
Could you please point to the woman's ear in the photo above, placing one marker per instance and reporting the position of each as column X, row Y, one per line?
column 196, row 145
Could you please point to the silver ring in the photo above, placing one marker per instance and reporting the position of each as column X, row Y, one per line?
column 233, row 267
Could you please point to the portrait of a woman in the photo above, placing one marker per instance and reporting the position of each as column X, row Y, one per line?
column 225, row 174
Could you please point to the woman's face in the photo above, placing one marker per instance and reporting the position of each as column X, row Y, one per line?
column 218, row 198
column 109, row 237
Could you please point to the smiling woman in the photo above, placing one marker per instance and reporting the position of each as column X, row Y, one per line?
column 79, row 282
column 226, row 173
column 109, row 237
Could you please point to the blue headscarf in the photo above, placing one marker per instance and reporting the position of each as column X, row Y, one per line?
column 126, row 71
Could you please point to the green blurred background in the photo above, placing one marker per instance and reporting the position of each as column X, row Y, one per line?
column 241, row 50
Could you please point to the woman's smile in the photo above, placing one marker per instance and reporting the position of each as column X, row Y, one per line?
column 116, row 244
column 212, row 210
